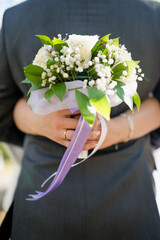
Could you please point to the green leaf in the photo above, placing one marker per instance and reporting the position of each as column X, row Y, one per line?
column 33, row 79
column 50, row 63
column 123, row 95
column 26, row 81
column 105, row 38
column 45, row 40
column 131, row 65
column 34, row 87
column 58, row 41
column 48, row 94
column 59, row 90
column 118, row 70
column 95, row 47
column 137, row 100
column 28, row 97
column 116, row 42
column 87, row 111
column 59, row 44
column 34, row 70
column 99, row 100
column 119, row 90
column 33, row 73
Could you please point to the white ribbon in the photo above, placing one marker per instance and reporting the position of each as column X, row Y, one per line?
column 100, row 142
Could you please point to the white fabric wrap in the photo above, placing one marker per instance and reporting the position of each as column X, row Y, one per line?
column 41, row 106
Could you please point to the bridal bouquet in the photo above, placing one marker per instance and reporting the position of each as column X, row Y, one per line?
column 88, row 73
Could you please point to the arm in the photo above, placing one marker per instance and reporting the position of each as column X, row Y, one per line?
column 9, row 94
column 145, row 120
column 53, row 125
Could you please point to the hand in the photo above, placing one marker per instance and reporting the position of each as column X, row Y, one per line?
column 54, row 125
column 114, row 135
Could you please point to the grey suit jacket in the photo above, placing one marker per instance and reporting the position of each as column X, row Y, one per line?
column 110, row 196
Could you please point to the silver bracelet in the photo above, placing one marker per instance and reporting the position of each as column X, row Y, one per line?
column 131, row 125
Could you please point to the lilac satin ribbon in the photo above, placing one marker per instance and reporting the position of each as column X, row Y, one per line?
column 71, row 154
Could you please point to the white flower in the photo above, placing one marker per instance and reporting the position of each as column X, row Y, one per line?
column 103, row 56
column 53, row 53
column 65, row 75
column 129, row 79
column 43, row 76
column 42, row 57
column 110, row 61
column 90, row 63
column 49, row 74
column 112, row 84
column 91, row 83
column 53, row 78
column 84, row 42
column 44, row 83
column 56, row 59
column 78, row 62
column 104, row 60
column 125, row 73
column 80, row 69
column 59, row 36
column 96, row 59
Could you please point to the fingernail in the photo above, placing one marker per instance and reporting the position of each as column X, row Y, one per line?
column 93, row 144
column 97, row 133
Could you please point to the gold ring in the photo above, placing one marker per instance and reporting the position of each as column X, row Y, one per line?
column 65, row 132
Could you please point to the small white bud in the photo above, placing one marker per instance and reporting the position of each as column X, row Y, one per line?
column 96, row 59
column 110, row 61
column 125, row 64
column 65, row 75
column 56, row 59
column 104, row 60
column 125, row 73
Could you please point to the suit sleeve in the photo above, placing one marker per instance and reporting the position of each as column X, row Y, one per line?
column 9, row 94
column 156, row 91
column 155, row 135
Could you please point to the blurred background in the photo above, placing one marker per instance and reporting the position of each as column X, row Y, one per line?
column 10, row 156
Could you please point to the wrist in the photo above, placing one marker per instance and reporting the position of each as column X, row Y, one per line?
column 130, row 128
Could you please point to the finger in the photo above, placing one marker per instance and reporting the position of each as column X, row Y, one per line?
column 90, row 145
column 65, row 123
column 94, row 135
column 77, row 112
column 68, row 134
column 77, row 116
column 97, row 124
column 64, row 112
column 65, row 143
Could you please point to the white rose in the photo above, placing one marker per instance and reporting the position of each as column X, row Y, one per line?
column 42, row 57
column 84, row 42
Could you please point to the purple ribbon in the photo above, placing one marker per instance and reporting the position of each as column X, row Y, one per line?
column 71, row 154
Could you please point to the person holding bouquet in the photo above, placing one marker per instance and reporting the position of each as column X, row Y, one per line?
column 110, row 196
